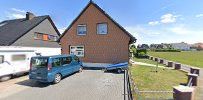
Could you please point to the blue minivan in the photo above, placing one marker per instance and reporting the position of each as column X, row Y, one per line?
column 53, row 68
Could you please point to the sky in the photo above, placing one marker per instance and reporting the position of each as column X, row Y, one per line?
column 150, row 21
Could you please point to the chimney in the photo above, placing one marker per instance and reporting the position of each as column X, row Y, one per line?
column 29, row 15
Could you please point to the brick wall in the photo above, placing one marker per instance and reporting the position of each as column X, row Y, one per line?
column 109, row 48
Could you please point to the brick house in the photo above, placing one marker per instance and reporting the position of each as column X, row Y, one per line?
column 96, row 38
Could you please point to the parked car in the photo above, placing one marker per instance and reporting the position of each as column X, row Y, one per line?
column 53, row 68
column 117, row 67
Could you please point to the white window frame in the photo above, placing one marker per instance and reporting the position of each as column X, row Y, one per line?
column 75, row 52
column 81, row 25
column 98, row 32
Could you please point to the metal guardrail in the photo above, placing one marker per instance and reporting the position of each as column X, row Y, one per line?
column 143, row 95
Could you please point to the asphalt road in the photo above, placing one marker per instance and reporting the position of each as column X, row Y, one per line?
column 87, row 85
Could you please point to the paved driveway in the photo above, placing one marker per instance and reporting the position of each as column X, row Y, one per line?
column 88, row 85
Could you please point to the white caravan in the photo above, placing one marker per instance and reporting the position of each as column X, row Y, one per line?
column 16, row 60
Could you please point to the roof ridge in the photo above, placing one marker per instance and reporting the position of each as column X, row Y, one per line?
column 102, row 11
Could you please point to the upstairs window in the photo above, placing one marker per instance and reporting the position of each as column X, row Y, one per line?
column 45, row 37
column 81, row 30
column 102, row 28
column 38, row 35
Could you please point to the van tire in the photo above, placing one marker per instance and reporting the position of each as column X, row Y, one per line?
column 57, row 78
column 5, row 78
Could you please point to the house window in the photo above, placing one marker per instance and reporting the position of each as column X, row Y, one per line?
column 52, row 38
column 81, row 30
column 20, row 57
column 77, row 50
column 1, row 59
column 45, row 37
column 38, row 36
column 102, row 28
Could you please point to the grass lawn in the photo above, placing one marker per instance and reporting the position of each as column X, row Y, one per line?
column 193, row 58
column 147, row 79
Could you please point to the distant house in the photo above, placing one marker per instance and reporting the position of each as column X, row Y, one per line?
column 181, row 46
column 32, row 31
column 96, row 38
column 197, row 46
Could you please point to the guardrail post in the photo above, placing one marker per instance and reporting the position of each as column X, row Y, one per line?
column 193, row 78
column 183, row 93
column 170, row 64
column 177, row 66
column 194, row 70
column 161, row 61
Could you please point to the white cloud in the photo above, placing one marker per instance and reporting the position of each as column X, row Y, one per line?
column 165, row 19
column 199, row 15
column 136, row 30
column 18, row 10
column 153, row 23
column 168, row 18
column 61, row 30
column 182, row 30
column 15, row 16
column 15, row 13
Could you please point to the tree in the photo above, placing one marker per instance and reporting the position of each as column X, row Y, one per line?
column 133, row 50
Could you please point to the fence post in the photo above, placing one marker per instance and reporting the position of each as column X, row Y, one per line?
column 124, row 83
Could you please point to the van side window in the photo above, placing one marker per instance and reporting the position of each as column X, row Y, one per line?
column 56, row 62
column 1, row 59
column 76, row 59
column 66, row 60
column 19, row 57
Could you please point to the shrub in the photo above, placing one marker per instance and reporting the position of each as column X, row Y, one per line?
column 167, row 50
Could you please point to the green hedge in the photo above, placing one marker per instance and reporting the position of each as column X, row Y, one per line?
column 167, row 50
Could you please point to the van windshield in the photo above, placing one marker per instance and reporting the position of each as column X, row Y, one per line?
column 39, row 62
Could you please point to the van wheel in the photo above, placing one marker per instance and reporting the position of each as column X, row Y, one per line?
column 5, row 78
column 119, row 70
column 57, row 78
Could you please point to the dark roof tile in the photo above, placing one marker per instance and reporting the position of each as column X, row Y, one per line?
column 11, row 30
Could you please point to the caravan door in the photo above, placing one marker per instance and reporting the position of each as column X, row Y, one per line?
column 5, row 66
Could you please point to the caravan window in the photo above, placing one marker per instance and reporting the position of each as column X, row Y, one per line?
column 20, row 57
column 1, row 59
